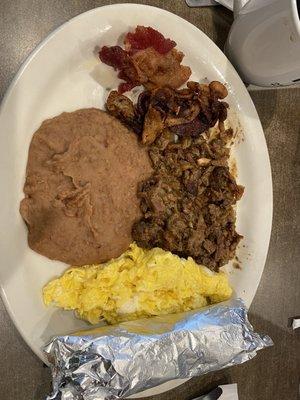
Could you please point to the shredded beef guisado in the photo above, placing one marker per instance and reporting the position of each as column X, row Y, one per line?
column 188, row 201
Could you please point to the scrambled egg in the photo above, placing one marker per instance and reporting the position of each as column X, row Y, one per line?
column 140, row 283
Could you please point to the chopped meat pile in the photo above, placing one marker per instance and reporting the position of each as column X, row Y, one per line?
column 188, row 202
column 149, row 59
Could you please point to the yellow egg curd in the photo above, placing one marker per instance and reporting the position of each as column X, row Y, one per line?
column 140, row 283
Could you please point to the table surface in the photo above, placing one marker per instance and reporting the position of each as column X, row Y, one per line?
column 274, row 373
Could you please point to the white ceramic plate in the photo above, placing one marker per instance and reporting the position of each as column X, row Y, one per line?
column 64, row 74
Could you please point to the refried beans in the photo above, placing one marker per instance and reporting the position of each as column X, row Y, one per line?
column 81, row 187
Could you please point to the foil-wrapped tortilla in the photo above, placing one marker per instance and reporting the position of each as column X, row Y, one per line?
column 117, row 361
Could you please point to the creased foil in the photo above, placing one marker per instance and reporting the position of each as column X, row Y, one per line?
column 119, row 360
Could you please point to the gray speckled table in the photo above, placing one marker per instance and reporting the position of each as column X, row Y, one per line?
column 274, row 373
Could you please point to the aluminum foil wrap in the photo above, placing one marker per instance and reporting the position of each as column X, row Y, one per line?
column 117, row 361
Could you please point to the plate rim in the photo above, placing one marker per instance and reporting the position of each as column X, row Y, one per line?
column 44, row 42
